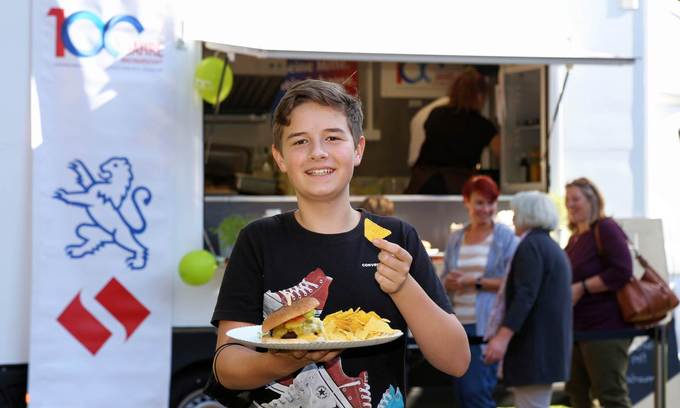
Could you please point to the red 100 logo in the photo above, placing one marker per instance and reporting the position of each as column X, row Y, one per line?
column 102, row 29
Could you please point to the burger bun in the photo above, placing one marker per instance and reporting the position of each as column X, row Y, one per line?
column 285, row 313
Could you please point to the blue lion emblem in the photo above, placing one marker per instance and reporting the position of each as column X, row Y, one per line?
column 104, row 201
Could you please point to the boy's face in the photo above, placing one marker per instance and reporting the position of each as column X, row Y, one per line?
column 318, row 152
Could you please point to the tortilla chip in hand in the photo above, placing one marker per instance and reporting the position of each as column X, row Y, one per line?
column 373, row 230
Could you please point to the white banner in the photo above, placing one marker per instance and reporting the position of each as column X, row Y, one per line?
column 117, row 199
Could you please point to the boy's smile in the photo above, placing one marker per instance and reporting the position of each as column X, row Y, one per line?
column 318, row 152
column 320, row 172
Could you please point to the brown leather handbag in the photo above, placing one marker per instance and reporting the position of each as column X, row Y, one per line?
column 643, row 301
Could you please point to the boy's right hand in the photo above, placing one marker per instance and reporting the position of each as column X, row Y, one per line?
column 394, row 266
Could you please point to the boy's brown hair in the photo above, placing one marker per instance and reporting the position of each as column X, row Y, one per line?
column 323, row 93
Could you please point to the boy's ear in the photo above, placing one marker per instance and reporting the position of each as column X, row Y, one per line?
column 278, row 158
column 359, row 150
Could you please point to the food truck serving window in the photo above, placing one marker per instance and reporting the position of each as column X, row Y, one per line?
column 520, row 48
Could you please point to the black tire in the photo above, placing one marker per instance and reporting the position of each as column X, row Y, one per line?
column 13, row 380
column 186, row 389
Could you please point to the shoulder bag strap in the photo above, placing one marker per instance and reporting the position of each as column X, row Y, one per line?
column 635, row 255
column 633, row 249
column 598, row 241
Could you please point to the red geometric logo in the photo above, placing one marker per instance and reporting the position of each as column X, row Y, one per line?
column 84, row 326
column 129, row 311
column 88, row 330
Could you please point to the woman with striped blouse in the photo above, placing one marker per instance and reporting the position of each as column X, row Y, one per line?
column 475, row 263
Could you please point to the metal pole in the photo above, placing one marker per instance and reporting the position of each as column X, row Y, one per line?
column 660, row 366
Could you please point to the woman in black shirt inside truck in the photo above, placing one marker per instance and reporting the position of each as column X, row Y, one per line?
column 455, row 135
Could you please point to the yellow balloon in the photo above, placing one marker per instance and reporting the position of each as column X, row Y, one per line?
column 207, row 79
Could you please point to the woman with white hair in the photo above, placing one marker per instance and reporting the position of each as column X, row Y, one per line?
column 533, row 333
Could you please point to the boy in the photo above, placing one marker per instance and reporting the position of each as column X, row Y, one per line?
column 320, row 250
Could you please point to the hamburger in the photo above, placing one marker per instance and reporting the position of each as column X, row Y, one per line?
column 294, row 321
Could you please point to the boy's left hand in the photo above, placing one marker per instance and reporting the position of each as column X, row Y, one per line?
column 306, row 357
column 395, row 263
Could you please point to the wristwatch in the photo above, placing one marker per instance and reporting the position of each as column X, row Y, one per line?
column 478, row 283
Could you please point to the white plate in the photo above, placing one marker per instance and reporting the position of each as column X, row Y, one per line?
column 252, row 336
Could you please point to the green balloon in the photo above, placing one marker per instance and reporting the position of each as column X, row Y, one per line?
column 207, row 79
column 197, row 267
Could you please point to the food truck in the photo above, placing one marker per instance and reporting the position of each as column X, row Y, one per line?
column 580, row 89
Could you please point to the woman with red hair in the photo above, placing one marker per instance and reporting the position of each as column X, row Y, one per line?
column 475, row 262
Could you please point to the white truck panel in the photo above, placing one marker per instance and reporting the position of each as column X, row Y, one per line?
column 596, row 135
column 15, row 184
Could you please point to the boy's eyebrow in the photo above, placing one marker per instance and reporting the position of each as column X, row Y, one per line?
column 295, row 135
column 334, row 130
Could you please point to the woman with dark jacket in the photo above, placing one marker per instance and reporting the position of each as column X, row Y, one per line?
column 535, row 335
column 598, row 366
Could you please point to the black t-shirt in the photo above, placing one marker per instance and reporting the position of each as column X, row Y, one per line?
column 455, row 138
column 276, row 253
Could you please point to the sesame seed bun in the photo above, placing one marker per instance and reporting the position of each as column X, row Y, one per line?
column 285, row 313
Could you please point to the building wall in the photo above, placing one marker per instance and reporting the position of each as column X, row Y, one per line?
column 660, row 83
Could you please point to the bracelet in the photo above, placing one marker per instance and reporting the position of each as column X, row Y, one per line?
column 585, row 288
column 478, row 283
column 217, row 354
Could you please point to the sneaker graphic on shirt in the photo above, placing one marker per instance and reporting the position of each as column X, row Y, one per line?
column 391, row 398
column 356, row 389
column 315, row 284
column 325, row 387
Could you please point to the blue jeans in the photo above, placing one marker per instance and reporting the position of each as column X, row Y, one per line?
column 475, row 388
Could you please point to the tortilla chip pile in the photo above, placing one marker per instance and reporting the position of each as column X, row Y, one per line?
column 355, row 325
column 373, row 230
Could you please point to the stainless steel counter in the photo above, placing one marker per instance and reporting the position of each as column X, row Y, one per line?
column 430, row 215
